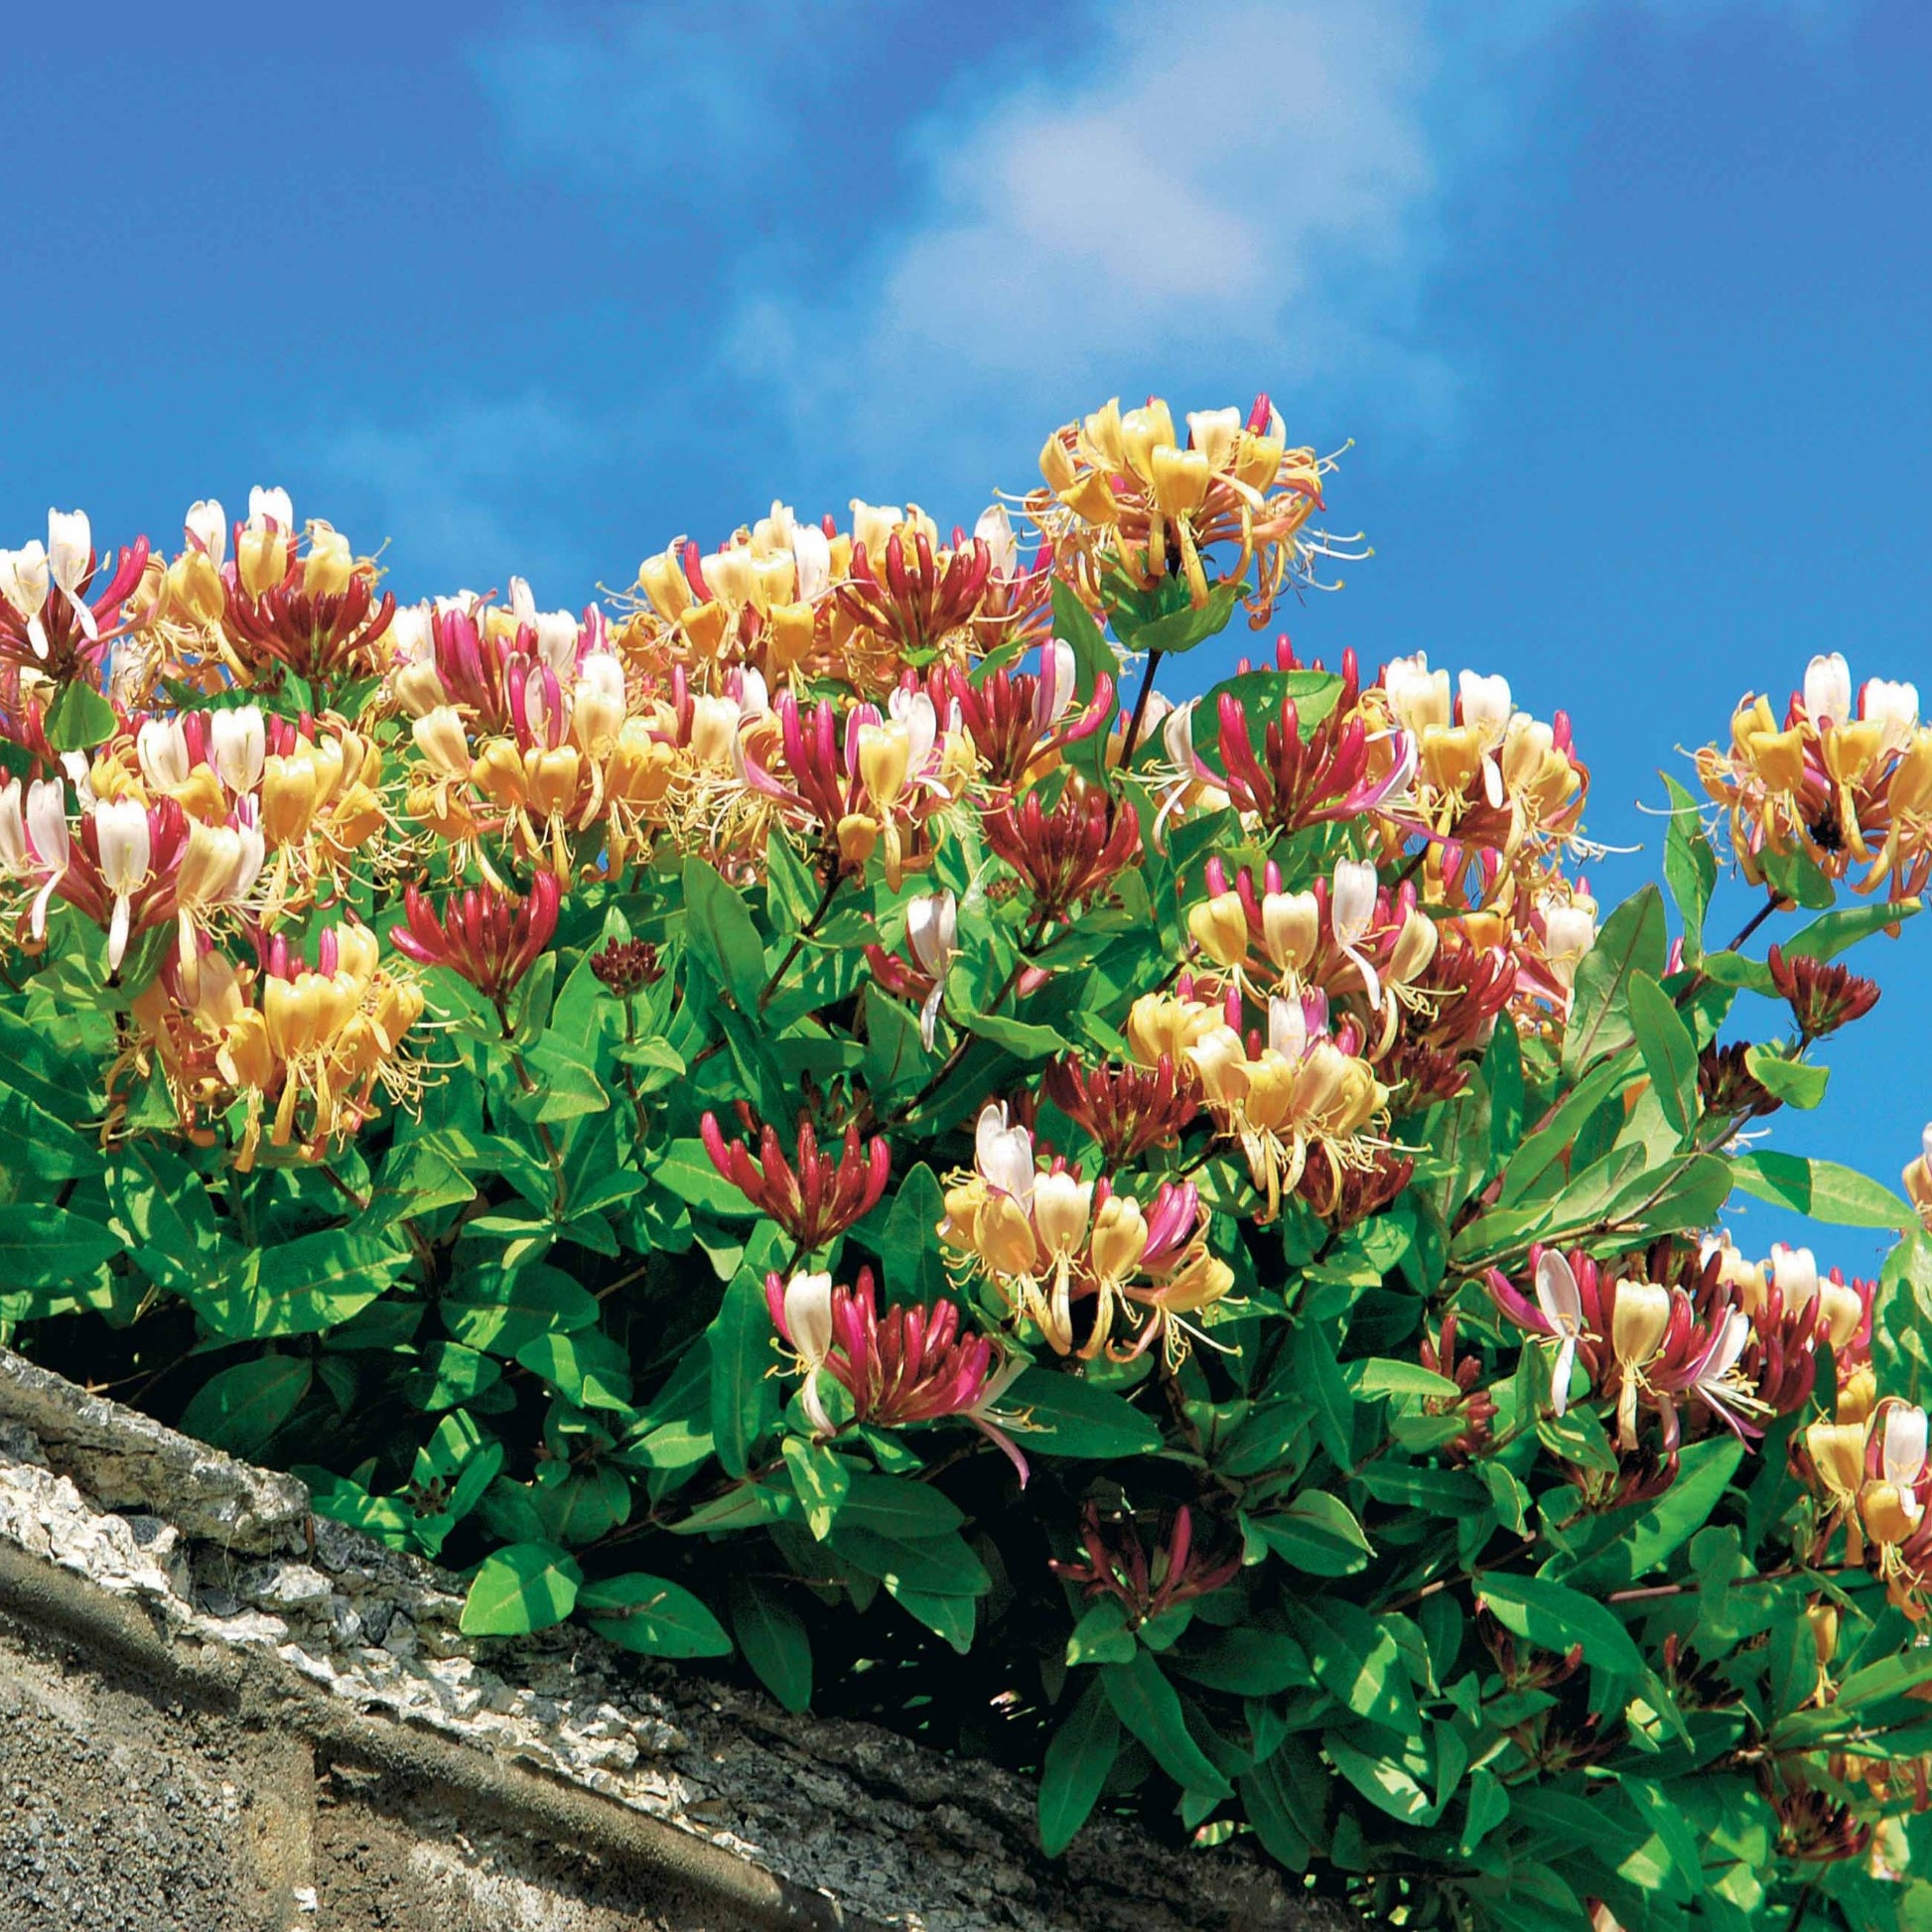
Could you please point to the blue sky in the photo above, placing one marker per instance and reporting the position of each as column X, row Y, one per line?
column 1626, row 306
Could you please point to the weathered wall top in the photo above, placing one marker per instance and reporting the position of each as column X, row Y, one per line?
column 393, row 1772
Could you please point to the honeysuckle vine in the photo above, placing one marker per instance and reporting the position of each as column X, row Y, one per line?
column 887, row 1110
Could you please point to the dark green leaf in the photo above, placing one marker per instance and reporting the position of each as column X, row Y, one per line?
column 653, row 1615
column 773, row 1640
column 241, row 1408
column 1070, row 1416
column 1146, row 1702
column 1078, row 1758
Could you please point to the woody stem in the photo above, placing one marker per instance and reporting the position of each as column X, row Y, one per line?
column 1133, row 737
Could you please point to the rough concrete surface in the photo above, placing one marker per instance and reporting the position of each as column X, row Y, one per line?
column 210, row 1722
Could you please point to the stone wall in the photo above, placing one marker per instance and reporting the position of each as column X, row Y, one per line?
column 219, row 1714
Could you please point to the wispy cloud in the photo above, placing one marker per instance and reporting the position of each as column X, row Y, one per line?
column 891, row 256
column 1216, row 193
column 470, row 492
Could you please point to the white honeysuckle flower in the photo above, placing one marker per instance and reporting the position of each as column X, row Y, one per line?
column 995, row 530
column 601, row 671
column 1561, row 1303
column 47, row 829
column 1487, row 708
column 557, row 639
column 122, row 839
column 1288, row 1027
column 932, row 931
column 873, row 523
column 1418, row 697
column 1569, row 932
column 914, row 710
column 753, row 694
column 808, row 1319
column 237, row 745
column 411, row 633
column 70, row 554
column 1827, row 689
column 772, row 533
column 1059, row 671
column 1177, row 736
column 206, row 527
column 1216, row 433
column 23, row 578
column 161, row 749
column 1062, row 1208
column 273, row 506
column 15, row 857
column 1904, row 1443
column 811, row 557
column 1894, row 708
column 1351, row 912
column 1004, row 1155
column 1794, row 1274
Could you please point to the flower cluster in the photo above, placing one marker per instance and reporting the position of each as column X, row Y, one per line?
column 1844, row 778
column 718, row 1063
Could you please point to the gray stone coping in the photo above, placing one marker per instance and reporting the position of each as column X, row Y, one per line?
column 201, row 1578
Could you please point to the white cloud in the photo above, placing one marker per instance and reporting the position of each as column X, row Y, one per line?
column 1213, row 200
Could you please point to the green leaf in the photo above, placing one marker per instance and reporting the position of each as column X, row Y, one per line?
column 1356, row 1660
column 1798, row 1084
column 686, row 1170
column 896, row 1506
column 586, row 1367
column 1827, row 937
column 1555, row 1617
column 1315, row 1376
column 1073, row 625
column 1822, row 1189
column 1797, row 876
column 915, row 1269
column 1183, row 629
column 521, row 1587
column 1249, row 1663
column 1635, row 939
column 451, row 1374
column 1690, row 868
column 1074, row 1771
column 50, row 1247
column 1147, row 1703
column 1101, row 1636
column 241, row 1408
column 502, row 1312
column 653, row 1615
column 1384, row 1778
column 820, row 1480
column 79, row 719
column 1703, row 1475
column 1284, row 1798
column 1670, row 1054
column 1070, row 1416
column 721, row 934
column 773, row 1640
column 300, row 1287
column 1316, row 1533
column 942, row 1566
column 743, row 1397
column 1382, row 1375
